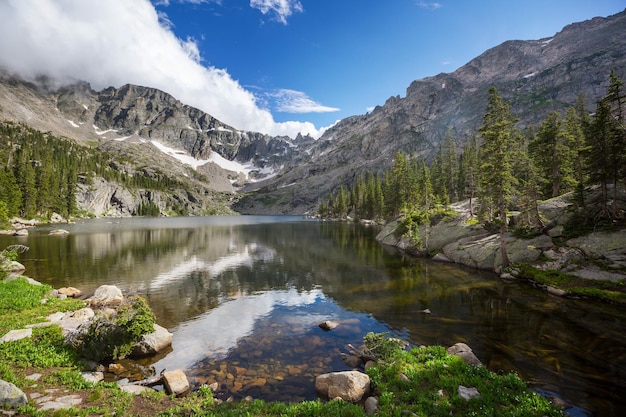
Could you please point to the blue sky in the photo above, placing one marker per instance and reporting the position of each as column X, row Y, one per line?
column 275, row 66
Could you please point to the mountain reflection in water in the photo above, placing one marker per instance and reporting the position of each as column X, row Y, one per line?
column 244, row 296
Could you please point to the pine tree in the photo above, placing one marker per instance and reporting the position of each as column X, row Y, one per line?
column 497, row 180
column 554, row 156
column 468, row 172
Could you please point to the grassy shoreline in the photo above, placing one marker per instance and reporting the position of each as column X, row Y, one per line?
column 420, row 381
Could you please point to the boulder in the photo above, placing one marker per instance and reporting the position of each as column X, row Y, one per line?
column 152, row 343
column 21, row 232
column 11, row 396
column 176, row 382
column 350, row 386
column 464, row 352
column 106, row 295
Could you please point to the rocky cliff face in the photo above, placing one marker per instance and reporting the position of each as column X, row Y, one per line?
column 536, row 77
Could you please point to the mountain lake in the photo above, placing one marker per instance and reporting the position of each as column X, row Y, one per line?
column 244, row 295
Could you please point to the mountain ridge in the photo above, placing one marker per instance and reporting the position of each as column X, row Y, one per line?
column 279, row 175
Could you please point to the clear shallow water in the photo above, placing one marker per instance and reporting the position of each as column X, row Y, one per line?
column 244, row 296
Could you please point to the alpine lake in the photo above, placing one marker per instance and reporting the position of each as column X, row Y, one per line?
column 244, row 295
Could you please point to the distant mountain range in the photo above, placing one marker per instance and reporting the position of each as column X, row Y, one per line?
column 280, row 175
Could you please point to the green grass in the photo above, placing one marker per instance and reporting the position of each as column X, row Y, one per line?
column 574, row 286
column 425, row 381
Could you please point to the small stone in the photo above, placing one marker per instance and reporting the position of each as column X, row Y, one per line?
column 62, row 403
column 468, row 393
column 371, row 405
column 93, row 377
column 116, row 368
column 440, row 257
column 556, row 291
column 403, row 378
column 135, row 389
column 34, row 377
column 70, row 292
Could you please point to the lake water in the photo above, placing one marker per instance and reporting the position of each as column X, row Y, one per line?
column 244, row 295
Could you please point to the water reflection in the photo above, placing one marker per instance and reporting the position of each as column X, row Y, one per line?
column 243, row 297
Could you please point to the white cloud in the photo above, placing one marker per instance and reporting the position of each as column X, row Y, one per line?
column 429, row 5
column 282, row 8
column 114, row 42
column 291, row 101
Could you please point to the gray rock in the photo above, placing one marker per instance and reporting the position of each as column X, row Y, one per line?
column 152, row 343
column 350, row 386
column 11, row 396
column 14, row 335
column 441, row 257
column 468, row 393
column 61, row 403
column 464, row 352
column 93, row 377
column 371, row 405
column 135, row 389
column 107, row 294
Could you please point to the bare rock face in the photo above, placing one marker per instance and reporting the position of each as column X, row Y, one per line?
column 350, row 386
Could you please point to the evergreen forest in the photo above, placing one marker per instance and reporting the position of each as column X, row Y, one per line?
column 40, row 174
column 503, row 168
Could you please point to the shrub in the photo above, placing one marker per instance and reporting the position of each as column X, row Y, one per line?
column 112, row 337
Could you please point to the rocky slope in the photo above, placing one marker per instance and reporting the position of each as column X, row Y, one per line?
column 535, row 76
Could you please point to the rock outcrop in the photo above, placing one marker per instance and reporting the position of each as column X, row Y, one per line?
column 470, row 244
